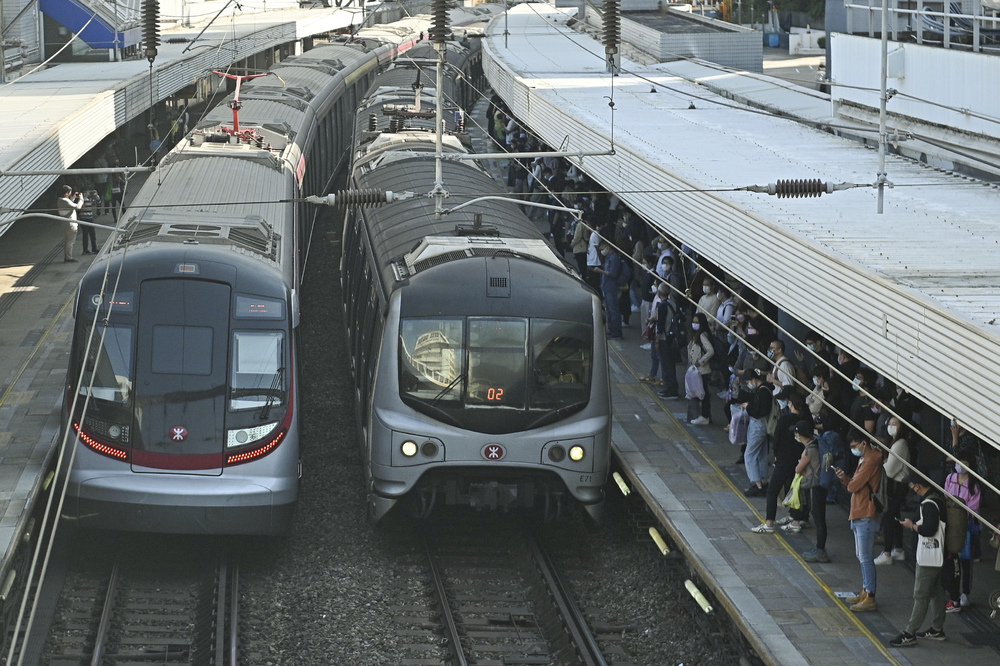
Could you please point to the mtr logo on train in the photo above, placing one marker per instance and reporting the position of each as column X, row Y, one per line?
column 494, row 452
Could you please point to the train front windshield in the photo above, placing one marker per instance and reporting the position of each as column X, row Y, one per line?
column 495, row 375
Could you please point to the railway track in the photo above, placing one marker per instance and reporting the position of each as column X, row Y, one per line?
column 497, row 597
column 141, row 614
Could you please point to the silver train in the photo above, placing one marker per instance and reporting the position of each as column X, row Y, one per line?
column 184, row 350
column 479, row 357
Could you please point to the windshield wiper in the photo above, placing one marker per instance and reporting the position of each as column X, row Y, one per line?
column 272, row 393
column 459, row 377
column 550, row 417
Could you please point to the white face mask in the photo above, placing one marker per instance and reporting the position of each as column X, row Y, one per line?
column 770, row 353
column 856, row 384
column 959, row 469
column 695, row 326
column 811, row 347
column 815, row 381
column 706, row 289
column 892, row 430
column 782, row 404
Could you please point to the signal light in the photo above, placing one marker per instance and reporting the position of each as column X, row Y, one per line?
column 576, row 453
column 253, row 454
column 98, row 446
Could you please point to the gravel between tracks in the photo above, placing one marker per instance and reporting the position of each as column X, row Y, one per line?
column 323, row 595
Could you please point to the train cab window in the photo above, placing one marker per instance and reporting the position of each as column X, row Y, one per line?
column 496, row 362
column 258, row 369
column 431, row 360
column 108, row 365
column 562, row 360
column 182, row 350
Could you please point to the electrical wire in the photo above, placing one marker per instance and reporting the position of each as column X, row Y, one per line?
column 42, row 64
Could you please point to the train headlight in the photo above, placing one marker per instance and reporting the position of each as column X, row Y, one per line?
column 409, row 448
column 115, row 431
column 576, row 453
column 557, row 453
column 429, row 449
column 244, row 436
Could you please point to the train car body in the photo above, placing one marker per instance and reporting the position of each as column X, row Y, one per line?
column 182, row 382
column 479, row 357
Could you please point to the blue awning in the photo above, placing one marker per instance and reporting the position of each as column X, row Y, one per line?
column 99, row 34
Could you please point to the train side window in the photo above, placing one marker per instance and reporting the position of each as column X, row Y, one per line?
column 182, row 350
column 109, row 364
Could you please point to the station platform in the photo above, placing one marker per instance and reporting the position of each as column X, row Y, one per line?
column 36, row 328
column 791, row 612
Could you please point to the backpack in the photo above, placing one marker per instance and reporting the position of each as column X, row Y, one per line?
column 625, row 274
column 772, row 418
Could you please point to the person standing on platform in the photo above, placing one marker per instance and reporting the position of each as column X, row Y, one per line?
column 699, row 353
column 67, row 205
column 810, row 467
column 610, row 273
column 928, row 595
column 895, row 492
column 756, row 399
column 958, row 566
column 864, row 515
column 787, row 453
column 91, row 202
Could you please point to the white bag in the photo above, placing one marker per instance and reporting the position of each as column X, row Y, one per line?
column 930, row 550
column 694, row 387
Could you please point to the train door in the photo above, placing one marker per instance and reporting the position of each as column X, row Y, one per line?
column 180, row 393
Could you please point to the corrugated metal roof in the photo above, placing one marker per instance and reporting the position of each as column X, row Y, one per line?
column 915, row 291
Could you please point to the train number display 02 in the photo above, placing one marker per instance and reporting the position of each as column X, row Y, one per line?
column 494, row 394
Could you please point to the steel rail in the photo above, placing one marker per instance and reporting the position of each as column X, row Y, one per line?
column 234, row 616
column 569, row 610
column 97, row 658
column 449, row 618
column 220, row 613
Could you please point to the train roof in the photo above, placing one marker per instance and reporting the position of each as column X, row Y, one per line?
column 189, row 202
column 397, row 228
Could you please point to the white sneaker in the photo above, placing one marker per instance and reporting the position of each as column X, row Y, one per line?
column 883, row 558
column 701, row 420
column 899, row 554
column 635, row 308
column 964, row 601
column 646, row 346
column 783, row 521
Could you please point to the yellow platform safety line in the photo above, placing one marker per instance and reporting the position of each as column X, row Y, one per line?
column 725, row 478
column 41, row 341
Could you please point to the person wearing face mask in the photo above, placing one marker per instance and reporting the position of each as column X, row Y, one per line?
column 864, row 517
column 895, row 493
column 787, row 451
column 756, row 399
column 700, row 352
column 610, row 271
column 958, row 566
column 708, row 301
column 782, row 374
column 809, row 466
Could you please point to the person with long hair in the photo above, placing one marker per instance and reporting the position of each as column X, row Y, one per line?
column 958, row 566
column 894, row 477
column 700, row 352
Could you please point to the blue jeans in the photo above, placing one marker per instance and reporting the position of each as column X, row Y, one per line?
column 864, row 543
column 612, row 312
column 755, row 457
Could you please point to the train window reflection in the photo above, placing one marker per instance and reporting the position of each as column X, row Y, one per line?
column 496, row 362
column 258, row 369
column 430, row 359
column 108, row 371
column 561, row 363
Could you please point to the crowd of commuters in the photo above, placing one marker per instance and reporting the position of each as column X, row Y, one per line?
column 817, row 412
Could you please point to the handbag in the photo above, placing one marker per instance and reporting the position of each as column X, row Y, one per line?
column 792, row 498
column 650, row 331
column 930, row 550
column 972, row 549
column 876, row 500
column 694, row 387
column 738, row 425
column 957, row 529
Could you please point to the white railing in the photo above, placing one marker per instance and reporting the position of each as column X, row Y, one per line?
column 927, row 24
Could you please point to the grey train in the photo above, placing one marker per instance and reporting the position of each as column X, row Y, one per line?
column 479, row 357
column 182, row 381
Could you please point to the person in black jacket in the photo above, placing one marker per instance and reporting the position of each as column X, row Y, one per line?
column 787, row 451
column 928, row 594
column 668, row 332
column 756, row 398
